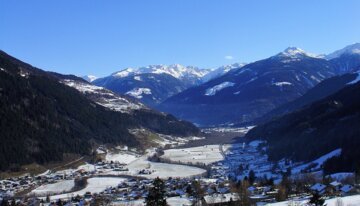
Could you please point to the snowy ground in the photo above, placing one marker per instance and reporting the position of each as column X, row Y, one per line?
column 342, row 175
column 95, row 185
column 206, row 154
column 105, row 97
column 229, row 129
column 219, row 198
column 347, row 201
column 318, row 162
column 55, row 188
column 87, row 167
column 162, row 170
column 121, row 157
column 172, row 201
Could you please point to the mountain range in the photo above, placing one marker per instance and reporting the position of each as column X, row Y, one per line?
column 245, row 94
column 155, row 83
column 231, row 94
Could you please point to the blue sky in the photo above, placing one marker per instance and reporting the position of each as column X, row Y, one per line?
column 100, row 37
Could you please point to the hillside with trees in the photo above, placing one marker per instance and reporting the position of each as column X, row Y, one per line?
column 42, row 119
column 317, row 129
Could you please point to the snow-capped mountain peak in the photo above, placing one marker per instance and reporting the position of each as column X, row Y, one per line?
column 89, row 78
column 295, row 53
column 176, row 70
column 214, row 73
column 350, row 49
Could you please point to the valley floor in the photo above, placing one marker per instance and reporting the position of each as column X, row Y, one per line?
column 124, row 175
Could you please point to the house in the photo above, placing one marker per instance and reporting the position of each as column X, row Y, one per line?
column 252, row 189
column 334, row 187
column 223, row 190
column 217, row 199
column 346, row 189
column 318, row 187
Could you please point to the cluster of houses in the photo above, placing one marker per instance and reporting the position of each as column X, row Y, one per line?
column 334, row 188
column 17, row 185
column 240, row 159
column 114, row 166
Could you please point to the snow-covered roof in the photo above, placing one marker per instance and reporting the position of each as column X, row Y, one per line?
column 318, row 187
column 335, row 183
column 346, row 188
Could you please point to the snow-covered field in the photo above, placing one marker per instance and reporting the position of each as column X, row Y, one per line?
column 346, row 201
column 162, row 170
column 120, row 157
column 55, row 188
column 229, row 129
column 95, row 185
column 206, row 154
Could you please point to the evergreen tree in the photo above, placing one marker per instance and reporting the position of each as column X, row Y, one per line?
column 243, row 193
column 317, row 200
column 198, row 192
column 156, row 196
column 252, row 177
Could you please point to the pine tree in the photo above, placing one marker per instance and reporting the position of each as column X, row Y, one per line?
column 252, row 177
column 242, row 193
column 198, row 192
column 317, row 200
column 156, row 196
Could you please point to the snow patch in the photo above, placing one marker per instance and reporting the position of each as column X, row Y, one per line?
column 295, row 54
column 280, row 84
column 139, row 92
column 89, row 78
column 221, row 71
column 176, row 70
column 105, row 97
column 213, row 90
column 355, row 80
column 351, row 49
column 137, row 78
column 318, row 162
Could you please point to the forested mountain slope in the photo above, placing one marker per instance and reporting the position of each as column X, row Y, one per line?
column 42, row 119
column 316, row 129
